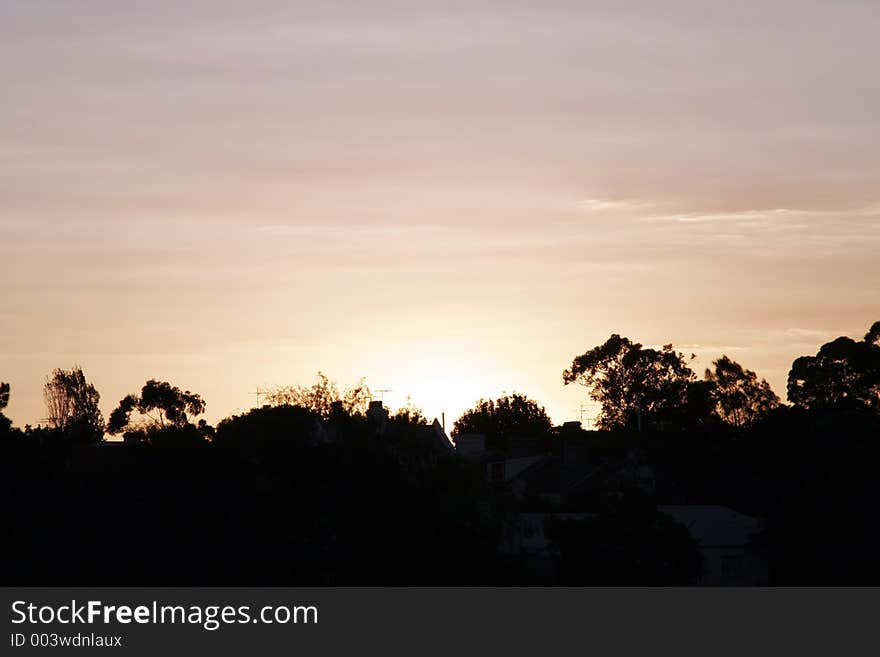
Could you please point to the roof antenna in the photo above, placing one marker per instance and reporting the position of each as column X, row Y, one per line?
column 259, row 392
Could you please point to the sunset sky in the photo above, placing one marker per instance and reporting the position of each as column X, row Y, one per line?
column 451, row 199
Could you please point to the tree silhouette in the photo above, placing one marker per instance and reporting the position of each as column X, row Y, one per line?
column 506, row 416
column 637, row 385
column 873, row 334
column 738, row 396
column 409, row 414
column 844, row 374
column 283, row 425
column 72, row 404
column 628, row 543
column 5, row 422
column 160, row 405
column 293, row 491
column 323, row 397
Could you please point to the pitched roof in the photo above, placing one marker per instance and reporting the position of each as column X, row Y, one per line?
column 714, row 526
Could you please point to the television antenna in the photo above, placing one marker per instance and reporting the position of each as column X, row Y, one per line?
column 583, row 418
column 382, row 392
column 259, row 392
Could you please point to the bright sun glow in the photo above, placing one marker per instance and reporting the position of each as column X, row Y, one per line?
column 438, row 377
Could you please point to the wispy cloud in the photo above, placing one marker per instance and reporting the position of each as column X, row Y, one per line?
column 769, row 215
column 810, row 335
column 652, row 210
column 713, row 348
column 620, row 206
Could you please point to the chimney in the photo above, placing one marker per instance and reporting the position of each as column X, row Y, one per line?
column 377, row 414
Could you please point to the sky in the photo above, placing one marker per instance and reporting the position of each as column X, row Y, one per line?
column 451, row 199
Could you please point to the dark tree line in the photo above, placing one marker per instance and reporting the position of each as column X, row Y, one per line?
column 637, row 387
column 656, row 388
column 319, row 488
column 843, row 375
column 278, row 496
column 640, row 387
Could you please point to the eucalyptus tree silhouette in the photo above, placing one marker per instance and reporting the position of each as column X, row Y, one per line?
column 638, row 386
column 738, row 397
column 843, row 375
column 163, row 414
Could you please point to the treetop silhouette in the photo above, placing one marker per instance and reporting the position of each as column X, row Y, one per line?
column 843, row 375
column 5, row 422
column 159, row 404
column 656, row 389
column 635, row 385
column 739, row 398
column 72, row 405
column 499, row 419
column 323, row 397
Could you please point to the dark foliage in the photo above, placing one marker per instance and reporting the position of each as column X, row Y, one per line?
column 5, row 422
column 293, row 495
column 72, row 404
column 160, row 405
column 627, row 543
column 264, row 504
column 737, row 397
column 843, row 375
column 269, row 427
column 503, row 418
column 639, row 387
